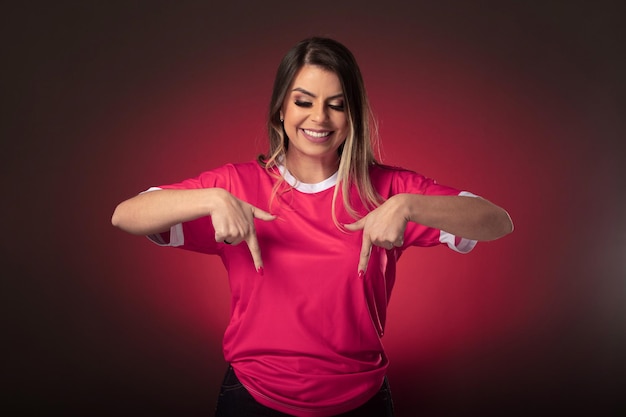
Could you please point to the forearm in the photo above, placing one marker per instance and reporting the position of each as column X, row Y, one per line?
column 469, row 217
column 156, row 211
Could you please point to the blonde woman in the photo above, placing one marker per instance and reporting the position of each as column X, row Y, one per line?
column 323, row 224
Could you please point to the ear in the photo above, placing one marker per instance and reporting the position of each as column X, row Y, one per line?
column 282, row 117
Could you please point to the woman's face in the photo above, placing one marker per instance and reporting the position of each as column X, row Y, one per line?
column 314, row 118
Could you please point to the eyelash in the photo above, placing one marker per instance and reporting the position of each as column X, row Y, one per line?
column 307, row 105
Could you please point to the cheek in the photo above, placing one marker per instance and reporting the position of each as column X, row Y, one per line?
column 291, row 126
column 293, row 116
column 342, row 123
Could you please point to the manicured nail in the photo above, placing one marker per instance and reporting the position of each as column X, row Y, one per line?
column 361, row 274
column 260, row 270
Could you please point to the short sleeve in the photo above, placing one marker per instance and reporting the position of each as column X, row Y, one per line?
column 197, row 235
column 405, row 181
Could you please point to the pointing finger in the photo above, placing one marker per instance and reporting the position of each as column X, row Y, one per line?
column 366, row 250
column 255, row 251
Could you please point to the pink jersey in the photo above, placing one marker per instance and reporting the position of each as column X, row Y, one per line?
column 305, row 338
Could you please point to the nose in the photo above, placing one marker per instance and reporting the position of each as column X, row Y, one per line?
column 319, row 114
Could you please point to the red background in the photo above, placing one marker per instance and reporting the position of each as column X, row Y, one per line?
column 521, row 103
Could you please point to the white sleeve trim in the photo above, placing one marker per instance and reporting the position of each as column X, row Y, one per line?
column 151, row 189
column 464, row 245
column 177, row 237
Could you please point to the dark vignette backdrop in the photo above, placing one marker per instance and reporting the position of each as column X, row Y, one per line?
column 522, row 102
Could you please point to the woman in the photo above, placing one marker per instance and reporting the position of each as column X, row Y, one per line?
column 324, row 225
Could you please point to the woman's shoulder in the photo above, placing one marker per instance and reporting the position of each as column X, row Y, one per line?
column 395, row 179
column 399, row 180
column 232, row 171
column 383, row 170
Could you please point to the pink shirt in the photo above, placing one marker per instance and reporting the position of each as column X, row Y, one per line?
column 305, row 338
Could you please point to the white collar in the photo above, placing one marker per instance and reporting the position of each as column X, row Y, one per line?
column 308, row 188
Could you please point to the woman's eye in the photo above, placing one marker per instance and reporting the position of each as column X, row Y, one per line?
column 303, row 103
column 337, row 107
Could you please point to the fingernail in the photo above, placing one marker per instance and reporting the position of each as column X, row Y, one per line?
column 260, row 270
column 361, row 274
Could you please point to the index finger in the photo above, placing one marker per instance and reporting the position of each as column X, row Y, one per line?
column 255, row 251
column 366, row 250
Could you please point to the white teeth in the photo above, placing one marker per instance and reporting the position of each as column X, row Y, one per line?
column 316, row 134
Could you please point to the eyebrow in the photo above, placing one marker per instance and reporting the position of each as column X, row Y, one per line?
column 308, row 93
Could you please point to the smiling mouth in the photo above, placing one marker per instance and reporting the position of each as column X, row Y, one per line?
column 318, row 135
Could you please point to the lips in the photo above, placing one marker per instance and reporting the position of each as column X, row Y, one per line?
column 316, row 136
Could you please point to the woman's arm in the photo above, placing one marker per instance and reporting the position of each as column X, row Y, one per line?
column 156, row 211
column 472, row 218
column 469, row 217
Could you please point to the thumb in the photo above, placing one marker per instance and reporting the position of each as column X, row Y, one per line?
column 261, row 214
column 358, row 225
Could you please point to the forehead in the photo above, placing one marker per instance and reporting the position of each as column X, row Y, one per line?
column 317, row 80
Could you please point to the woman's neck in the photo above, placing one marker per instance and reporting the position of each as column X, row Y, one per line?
column 311, row 171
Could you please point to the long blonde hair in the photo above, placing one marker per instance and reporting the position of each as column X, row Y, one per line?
column 356, row 153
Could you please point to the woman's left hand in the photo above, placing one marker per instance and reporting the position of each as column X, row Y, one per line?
column 383, row 226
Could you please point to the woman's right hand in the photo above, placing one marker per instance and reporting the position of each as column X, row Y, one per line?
column 233, row 221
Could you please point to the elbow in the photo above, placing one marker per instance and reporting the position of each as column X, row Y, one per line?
column 503, row 225
column 121, row 217
column 509, row 224
column 116, row 217
column 493, row 222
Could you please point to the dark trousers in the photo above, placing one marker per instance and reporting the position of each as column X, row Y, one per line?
column 236, row 401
